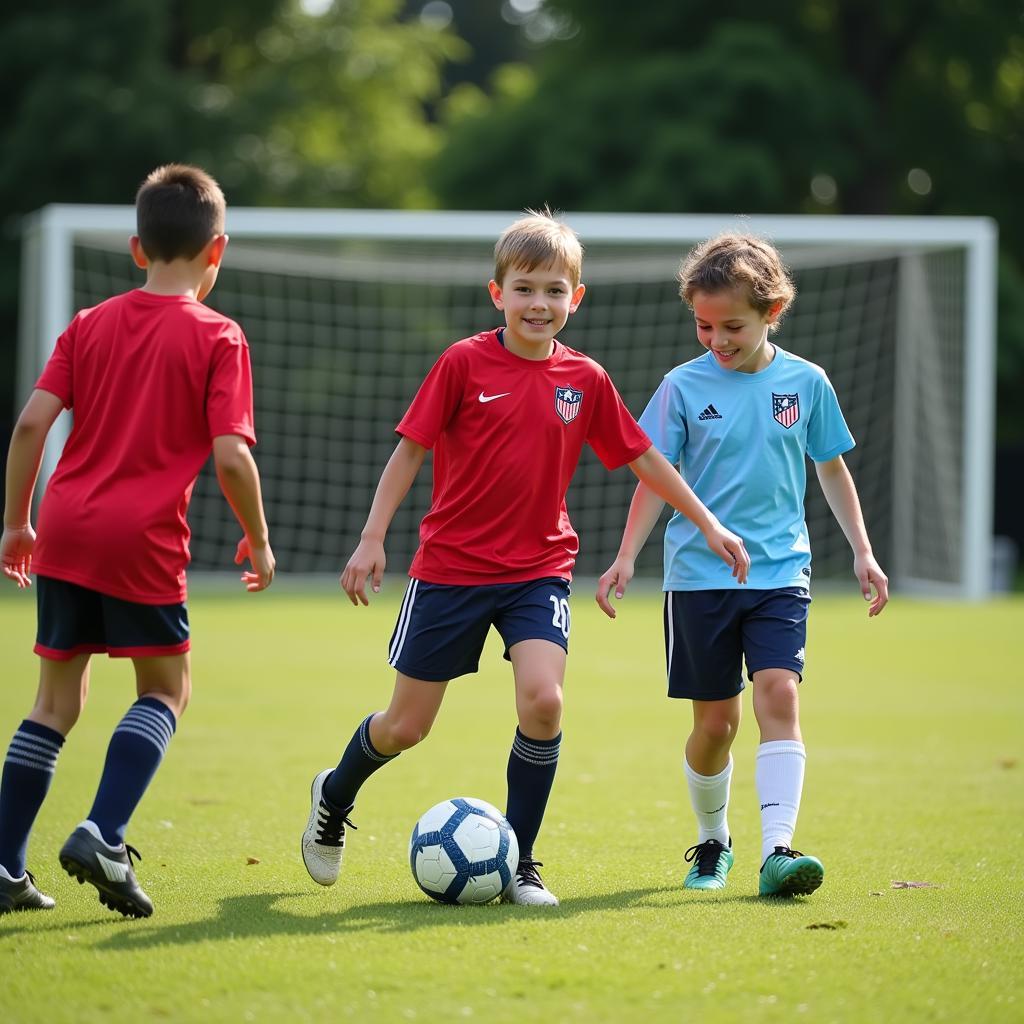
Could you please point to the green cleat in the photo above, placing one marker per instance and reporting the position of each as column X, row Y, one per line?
column 711, row 863
column 789, row 873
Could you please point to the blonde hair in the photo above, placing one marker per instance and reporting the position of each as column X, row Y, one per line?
column 738, row 262
column 538, row 240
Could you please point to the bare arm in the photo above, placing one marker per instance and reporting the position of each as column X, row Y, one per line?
column 23, row 460
column 239, row 481
column 841, row 495
column 644, row 510
column 659, row 482
column 660, row 476
column 368, row 559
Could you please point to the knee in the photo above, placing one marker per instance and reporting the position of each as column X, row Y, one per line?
column 543, row 709
column 176, row 697
column 777, row 696
column 59, row 712
column 401, row 733
column 718, row 730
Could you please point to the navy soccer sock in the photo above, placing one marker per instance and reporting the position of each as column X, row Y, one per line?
column 28, row 769
column 360, row 760
column 531, row 772
column 135, row 752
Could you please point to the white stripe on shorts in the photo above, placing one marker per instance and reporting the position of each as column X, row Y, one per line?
column 671, row 635
column 403, row 621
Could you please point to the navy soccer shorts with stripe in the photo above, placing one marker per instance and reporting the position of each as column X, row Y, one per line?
column 441, row 629
column 76, row 620
column 709, row 634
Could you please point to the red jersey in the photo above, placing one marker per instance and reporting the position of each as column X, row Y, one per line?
column 150, row 380
column 507, row 434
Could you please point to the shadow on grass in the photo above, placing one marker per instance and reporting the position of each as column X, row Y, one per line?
column 256, row 915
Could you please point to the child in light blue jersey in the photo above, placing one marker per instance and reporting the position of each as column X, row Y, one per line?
column 739, row 421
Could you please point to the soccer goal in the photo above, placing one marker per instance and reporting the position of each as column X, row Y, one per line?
column 346, row 310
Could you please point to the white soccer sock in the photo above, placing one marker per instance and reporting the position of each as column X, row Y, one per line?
column 709, row 795
column 780, row 780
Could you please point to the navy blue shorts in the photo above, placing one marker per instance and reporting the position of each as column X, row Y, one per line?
column 76, row 620
column 710, row 633
column 441, row 629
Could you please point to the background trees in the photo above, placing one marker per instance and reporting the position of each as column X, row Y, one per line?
column 825, row 106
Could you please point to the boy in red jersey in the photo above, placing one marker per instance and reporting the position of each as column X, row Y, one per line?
column 155, row 380
column 507, row 413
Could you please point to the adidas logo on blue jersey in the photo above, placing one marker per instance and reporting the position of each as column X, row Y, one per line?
column 710, row 413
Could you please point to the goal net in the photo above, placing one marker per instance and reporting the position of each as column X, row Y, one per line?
column 345, row 311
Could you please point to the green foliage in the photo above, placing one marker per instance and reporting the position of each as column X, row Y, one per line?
column 676, row 133
column 912, row 776
column 282, row 107
column 915, row 107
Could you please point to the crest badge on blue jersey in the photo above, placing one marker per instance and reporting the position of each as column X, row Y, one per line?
column 567, row 403
column 786, row 409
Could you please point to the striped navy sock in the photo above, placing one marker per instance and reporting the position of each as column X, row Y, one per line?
column 531, row 772
column 360, row 760
column 28, row 768
column 135, row 752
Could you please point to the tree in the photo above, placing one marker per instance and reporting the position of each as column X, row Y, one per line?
column 915, row 106
column 283, row 107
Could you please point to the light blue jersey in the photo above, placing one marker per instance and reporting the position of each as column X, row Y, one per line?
column 740, row 441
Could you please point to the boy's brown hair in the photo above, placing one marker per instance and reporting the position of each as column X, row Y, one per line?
column 538, row 240
column 178, row 209
column 738, row 262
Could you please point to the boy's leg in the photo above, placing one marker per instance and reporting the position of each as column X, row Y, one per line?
column 28, row 769
column 774, row 636
column 704, row 661
column 378, row 739
column 708, row 770
column 779, row 776
column 96, row 852
column 539, row 668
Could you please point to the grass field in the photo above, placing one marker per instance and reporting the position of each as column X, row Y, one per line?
column 914, row 725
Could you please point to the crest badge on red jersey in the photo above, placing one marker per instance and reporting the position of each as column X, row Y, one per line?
column 567, row 403
column 786, row 409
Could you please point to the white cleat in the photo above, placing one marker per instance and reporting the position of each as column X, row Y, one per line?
column 323, row 842
column 526, row 887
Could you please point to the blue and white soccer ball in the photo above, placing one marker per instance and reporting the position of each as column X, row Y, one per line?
column 463, row 851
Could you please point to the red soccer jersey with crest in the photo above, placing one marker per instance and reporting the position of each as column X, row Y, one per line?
column 507, row 434
column 150, row 380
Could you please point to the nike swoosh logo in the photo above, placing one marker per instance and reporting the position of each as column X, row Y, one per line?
column 490, row 398
column 114, row 870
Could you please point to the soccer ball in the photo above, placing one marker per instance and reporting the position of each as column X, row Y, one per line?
column 463, row 851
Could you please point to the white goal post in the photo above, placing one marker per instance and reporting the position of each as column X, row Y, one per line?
column 346, row 309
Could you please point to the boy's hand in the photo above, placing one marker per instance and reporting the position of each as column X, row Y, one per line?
column 16, row 548
column 367, row 560
column 262, row 561
column 869, row 574
column 730, row 549
column 618, row 575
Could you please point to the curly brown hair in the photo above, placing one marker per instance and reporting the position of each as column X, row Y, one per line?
column 738, row 262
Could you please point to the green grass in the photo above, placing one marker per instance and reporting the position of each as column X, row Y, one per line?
column 914, row 726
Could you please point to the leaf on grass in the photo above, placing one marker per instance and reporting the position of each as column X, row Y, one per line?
column 830, row 926
column 1006, row 763
column 915, row 885
column 875, row 893
column 252, row 860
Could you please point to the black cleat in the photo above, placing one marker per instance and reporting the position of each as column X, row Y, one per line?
column 22, row 894
column 88, row 858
